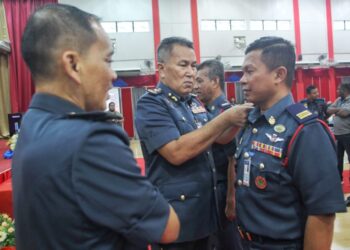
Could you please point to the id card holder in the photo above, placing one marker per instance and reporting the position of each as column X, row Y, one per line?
column 246, row 171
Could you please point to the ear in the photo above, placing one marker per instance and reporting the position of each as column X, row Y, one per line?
column 281, row 74
column 71, row 65
column 161, row 69
column 216, row 82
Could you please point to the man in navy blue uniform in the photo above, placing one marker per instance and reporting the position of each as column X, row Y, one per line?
column 176, row 137
column 209, row 87
column 76, row 184
column 285, row 198
column 314, row 103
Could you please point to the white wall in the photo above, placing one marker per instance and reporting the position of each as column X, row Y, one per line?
column 213, row 43
column 175, row 20
column 341, row 11
column 132, row 49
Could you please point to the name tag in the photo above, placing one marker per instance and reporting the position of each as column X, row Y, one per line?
column 246, row 171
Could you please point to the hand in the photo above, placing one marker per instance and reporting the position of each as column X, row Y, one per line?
column 230, row 209
column 238, row 114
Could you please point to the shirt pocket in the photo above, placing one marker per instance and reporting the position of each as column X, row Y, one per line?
column 184, row 197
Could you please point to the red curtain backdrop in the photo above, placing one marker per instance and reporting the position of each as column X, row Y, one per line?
column 21, row 83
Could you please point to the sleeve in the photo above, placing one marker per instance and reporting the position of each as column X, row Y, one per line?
column 335, row 104
column 314, row 170
column 111, row 191
column 155, row 125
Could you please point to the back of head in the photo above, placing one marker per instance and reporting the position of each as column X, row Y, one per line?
column 166, row 46
column 345, row 88
column 276, row 52
column 310, row 88
column 52, row 29
column 215, row 69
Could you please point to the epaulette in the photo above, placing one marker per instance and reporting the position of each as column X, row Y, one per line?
column 95, row 116
column 155, row 91
column 225, row 105
column 300, row 113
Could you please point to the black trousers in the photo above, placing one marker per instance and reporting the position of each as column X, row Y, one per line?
column 201, row 244
column 343, row 144
column 251, row 245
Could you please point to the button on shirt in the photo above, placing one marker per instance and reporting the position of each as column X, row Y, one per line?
column 161, row 117
column 274, row 201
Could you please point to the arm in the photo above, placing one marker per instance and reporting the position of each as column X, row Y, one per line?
column 230, row 209
column 172, row 229
column 333, row 108
column 191, row 144
column 319, row 232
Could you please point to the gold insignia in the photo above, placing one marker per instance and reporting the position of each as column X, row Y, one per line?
column 304, row 114
column 279, row 128
column 272, row 120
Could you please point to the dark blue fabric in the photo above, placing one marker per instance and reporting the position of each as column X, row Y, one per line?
column 309, row 186
column 317, row 107
column 75, row 182
column 163, row 116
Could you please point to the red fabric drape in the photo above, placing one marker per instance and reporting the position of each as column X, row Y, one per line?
column 21, row 83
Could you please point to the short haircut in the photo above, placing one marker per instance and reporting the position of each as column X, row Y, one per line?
column 52, row 28
column 276, row 52
column 166, row 46
column 345, row 86
column 215, row 69
column 310, row 88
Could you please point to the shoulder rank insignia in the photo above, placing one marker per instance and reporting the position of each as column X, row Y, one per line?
column 155, row 91
column 226, row 105
column 300, row 113
column 95, row 116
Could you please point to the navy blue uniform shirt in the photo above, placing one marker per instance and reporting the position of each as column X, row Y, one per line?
column 76, row 184
column 163, row 116
column 272, row 200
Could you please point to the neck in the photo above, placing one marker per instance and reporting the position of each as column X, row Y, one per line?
column 215, row 96
column 65, row 91
column 273, row 100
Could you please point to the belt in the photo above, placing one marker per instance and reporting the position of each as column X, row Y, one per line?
column 247, row 236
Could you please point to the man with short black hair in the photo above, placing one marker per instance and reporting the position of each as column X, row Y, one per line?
column 75, row 180
column 341, row 111
column 315, row 104
column 209, row 87
column 288, row 189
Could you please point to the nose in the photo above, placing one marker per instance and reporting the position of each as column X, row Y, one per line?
column 114, row 75
column 191, row 71
column 242, row 80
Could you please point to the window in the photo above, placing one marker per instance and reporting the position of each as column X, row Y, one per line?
column 338, row 25
column 141, row 26
column 347, row 24
column 109, row 27
column 283, row 25
column 238, row 25
column 270, row 25
column 124, row 26
column 256, row 25
column 208, row 25
column 223, row 25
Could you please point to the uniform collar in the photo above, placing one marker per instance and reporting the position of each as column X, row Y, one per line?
column 271, row 115
column 54, row 104
column 216, row 103
column 172, row 95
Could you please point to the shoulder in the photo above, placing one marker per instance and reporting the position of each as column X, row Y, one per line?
column 320, row 101
column 99, row 123
column 303, row 101
column 300, row 113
